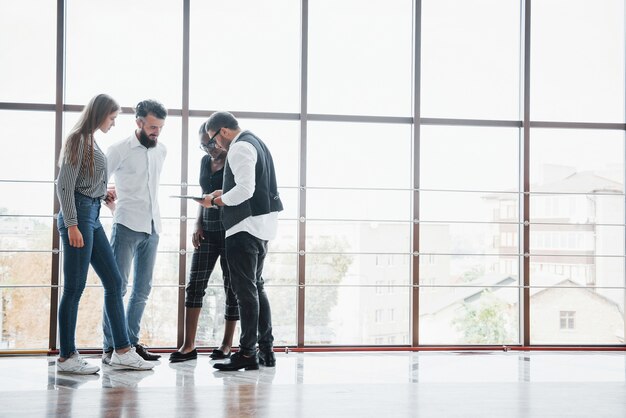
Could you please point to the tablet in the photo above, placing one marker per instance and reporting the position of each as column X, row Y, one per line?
column 188, row 197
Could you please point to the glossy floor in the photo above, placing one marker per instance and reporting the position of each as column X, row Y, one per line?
column 389, row 384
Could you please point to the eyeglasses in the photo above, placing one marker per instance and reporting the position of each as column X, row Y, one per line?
column 212, row 139
column 211, row 142
column 208, row 146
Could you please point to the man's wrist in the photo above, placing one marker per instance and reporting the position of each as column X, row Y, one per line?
column 213, row 200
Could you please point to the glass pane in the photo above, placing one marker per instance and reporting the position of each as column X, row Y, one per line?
column 469, row 315
column 358, row 237
column 144, row 60
column 394, row 205
column 28, row 43
column 475, row 153
column 284, row 303
column 576, row 315
column 577, row 239
column 171, row 206
column 22, row 233
column 30, row 199
column 165, row 268
column 577, row 61
column 577, row 161
column 280, row 269
column 25, row 268
column 359, row 155
column 600, row 276
column 471, row 271
column 467, row 71
column 359, row 269
column 584, row 209
column 287, row 238
column 194, row 154
column 24, row 324
column 469, row 207
column 383, row 317
column 362, row 67
column 267, row 34
column 31, row 153
column 467, row 238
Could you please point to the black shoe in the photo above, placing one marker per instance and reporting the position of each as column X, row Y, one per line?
column 177, row 356
column 219, row 354
column 238, row 361
column 267, row 358
column 143, row 352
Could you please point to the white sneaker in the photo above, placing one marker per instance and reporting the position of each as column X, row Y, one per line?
column 129, row 360
column 77, row 365
column 106, row 357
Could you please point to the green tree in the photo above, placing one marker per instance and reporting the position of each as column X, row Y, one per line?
column 486, row 321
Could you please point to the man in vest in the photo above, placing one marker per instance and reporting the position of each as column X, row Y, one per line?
column 251, row 205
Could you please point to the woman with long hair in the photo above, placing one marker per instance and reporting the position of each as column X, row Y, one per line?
column 81, row 187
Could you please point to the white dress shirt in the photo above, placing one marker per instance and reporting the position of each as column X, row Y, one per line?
column 241, row 159
column 137, row 171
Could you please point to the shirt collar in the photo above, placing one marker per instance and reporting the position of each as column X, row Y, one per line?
column 237, row 137
column 134, row 141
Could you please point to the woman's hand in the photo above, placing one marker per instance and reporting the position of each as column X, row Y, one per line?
column 76, row 238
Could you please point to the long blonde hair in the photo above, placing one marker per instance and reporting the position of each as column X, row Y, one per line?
column 92, row 117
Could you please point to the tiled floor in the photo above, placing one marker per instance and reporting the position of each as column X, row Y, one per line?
column 390, row 384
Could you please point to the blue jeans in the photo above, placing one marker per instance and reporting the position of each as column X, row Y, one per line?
column 129, row 245
column 96, row 252
column 245, row 255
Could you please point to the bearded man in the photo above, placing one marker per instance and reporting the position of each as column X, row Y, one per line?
column 136, row 163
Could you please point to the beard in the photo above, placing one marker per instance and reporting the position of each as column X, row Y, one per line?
column 145, row 140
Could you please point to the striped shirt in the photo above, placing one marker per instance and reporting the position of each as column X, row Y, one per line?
column 78, row 179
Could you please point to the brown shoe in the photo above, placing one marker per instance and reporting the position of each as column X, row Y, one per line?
column 143, row 352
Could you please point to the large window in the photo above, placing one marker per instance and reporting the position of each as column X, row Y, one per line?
column 438, row 188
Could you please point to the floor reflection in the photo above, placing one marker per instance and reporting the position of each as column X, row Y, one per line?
column 317, row 384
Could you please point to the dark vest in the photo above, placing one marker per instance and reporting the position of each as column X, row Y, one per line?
column 265, row 198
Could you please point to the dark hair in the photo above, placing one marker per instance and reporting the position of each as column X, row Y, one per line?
column 219, row 120
column 145, row 107
column 93, row 115
column 202, row 130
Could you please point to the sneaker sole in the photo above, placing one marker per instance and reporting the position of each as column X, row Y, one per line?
column 123, row 367
column 80, row 373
